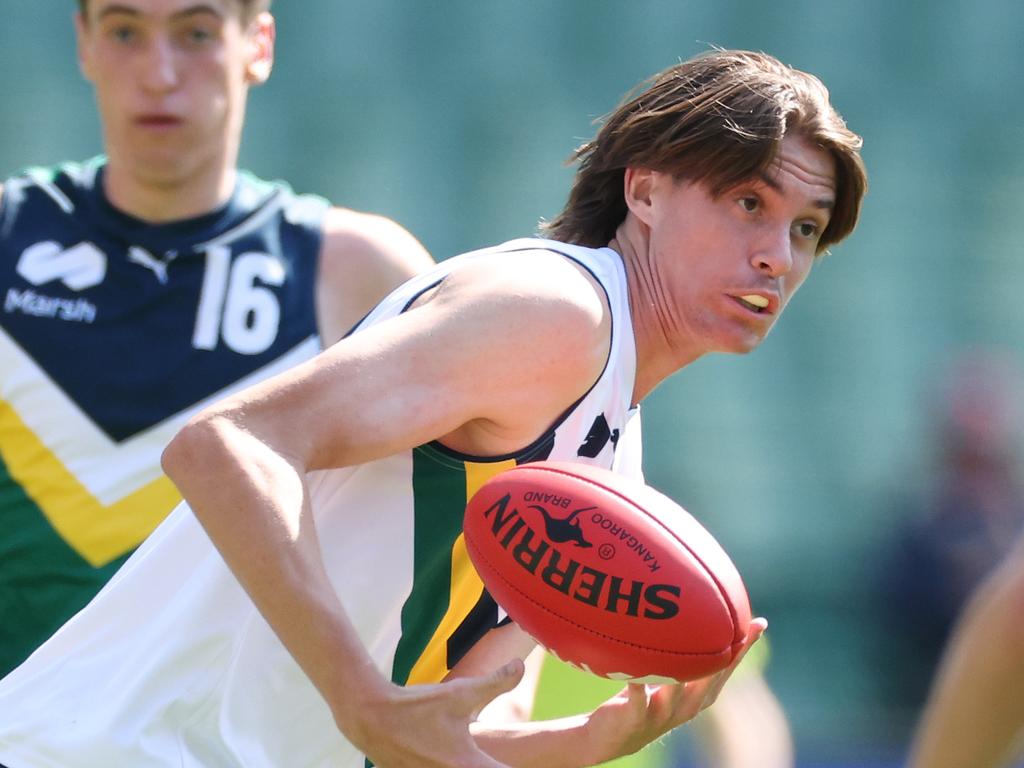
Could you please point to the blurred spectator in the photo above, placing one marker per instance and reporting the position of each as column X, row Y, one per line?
column 959, row 524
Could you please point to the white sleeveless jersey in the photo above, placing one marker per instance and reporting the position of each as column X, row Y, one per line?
column 172, row 665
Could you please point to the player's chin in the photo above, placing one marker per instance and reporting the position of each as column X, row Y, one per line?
column 742, row 341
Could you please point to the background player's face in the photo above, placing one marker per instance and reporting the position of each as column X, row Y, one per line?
column 756, row 240
column 171, row 78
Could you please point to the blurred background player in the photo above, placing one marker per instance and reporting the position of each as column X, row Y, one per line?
column 138, row 286
column 975, row 712
column 959, row 523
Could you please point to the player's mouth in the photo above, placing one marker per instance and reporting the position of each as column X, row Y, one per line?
column 758, row 303
column 158, row 121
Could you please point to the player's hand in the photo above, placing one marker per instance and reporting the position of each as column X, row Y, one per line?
column 639, row 713
column 427, row 726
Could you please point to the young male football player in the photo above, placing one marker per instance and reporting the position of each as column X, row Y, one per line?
column 139, row 286
column 312, row 602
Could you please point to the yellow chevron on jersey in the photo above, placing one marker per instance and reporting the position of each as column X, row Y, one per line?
column 100, row 496
column 466, row 588
column 113, row 332
column 98, row 532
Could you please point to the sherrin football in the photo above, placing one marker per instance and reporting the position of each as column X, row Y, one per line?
column 607, row 573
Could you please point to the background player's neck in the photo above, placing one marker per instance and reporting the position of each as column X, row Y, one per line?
column 166, row 199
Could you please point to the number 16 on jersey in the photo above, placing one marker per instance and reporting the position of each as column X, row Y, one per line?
column 235, row 304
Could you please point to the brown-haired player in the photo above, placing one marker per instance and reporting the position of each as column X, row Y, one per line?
column 136, row 286
column 311, row 602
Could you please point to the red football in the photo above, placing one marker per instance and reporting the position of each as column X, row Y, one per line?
column 606, row 572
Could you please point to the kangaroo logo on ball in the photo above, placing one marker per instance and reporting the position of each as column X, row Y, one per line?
column 561, row 530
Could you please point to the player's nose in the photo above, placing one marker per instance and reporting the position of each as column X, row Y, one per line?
column 773, row 252
column 160, row 67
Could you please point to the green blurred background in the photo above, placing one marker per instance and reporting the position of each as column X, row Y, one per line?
column 455, row 117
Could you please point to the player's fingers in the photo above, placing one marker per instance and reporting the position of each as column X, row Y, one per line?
column 757, row 628
column 637, row 691
column 675, row 704
column 716, row 683
column 478, row 692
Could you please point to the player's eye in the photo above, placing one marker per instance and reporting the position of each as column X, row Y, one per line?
column 749, row 203
column 195, row 37
column 123, row 34
column 807, row 229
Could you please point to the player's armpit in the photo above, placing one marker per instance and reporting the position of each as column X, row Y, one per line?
column 362, row 258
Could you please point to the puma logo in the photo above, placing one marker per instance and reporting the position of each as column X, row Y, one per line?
column 561, row 530
column 144, row 258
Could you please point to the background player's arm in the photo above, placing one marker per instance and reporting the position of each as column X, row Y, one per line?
column 362, row 258
column 475, row 364
column 747, row 726
column 975, row 712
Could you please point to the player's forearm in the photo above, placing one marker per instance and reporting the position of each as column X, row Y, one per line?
column 563, row 743
column 253, row 504
column 975, row 712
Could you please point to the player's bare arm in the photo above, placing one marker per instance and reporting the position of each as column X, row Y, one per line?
column 242, row 467
column 499, row 646
column 363, row 257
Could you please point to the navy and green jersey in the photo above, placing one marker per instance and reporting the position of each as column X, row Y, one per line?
column 174, row 635
column 112, row 332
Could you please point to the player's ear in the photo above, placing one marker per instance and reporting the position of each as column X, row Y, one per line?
column 83, row 38
column 638, row 189
column 260, row 43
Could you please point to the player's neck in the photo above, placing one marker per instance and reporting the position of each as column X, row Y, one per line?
column 659, row 351
column 159, row 201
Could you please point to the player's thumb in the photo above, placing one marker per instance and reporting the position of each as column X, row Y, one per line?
column 486, row 688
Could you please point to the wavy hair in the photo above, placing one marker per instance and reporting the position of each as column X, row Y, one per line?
column 719, row 119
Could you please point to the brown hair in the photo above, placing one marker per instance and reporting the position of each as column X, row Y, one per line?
column 720, row 119
column 250, row 8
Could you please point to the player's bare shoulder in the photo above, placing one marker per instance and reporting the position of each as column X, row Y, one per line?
column 535, row 332
column 555, row 303
column 362, row 258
